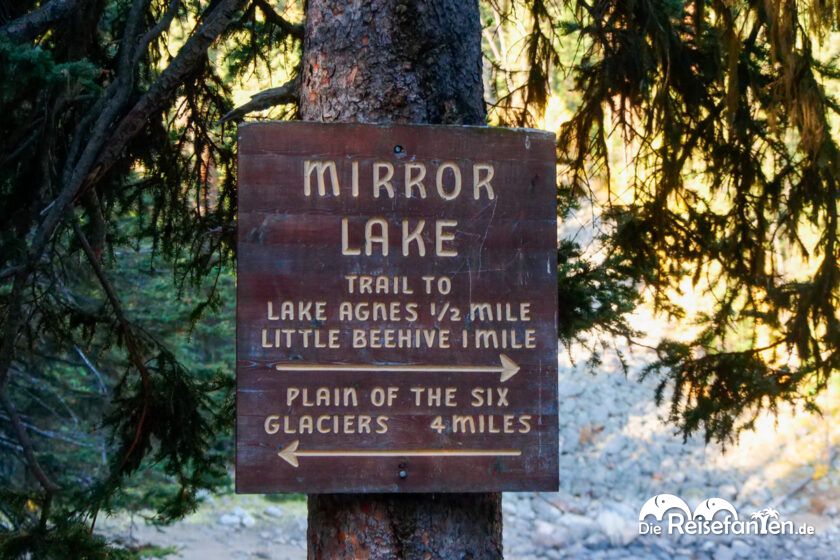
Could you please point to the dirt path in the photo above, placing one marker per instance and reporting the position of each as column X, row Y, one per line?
column 225, row 528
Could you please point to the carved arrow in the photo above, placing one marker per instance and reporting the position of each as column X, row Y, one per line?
column 290, row 453
column 507, row 369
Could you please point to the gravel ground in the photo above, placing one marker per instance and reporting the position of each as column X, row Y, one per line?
column 616, row 453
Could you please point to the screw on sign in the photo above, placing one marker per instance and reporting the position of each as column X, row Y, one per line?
column 396, row 325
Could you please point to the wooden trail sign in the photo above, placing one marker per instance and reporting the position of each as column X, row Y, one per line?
column 396, row 309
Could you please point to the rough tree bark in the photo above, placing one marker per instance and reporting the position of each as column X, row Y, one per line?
column 407, row 61
column 414, row 61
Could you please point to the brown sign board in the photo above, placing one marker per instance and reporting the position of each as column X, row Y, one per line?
column 396, row 309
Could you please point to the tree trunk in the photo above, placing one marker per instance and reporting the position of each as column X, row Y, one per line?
column 405, row 61
column 381, row 61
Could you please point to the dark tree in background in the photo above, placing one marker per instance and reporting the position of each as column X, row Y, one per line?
column 117, row 153
column 110, row 144
column 388, row 61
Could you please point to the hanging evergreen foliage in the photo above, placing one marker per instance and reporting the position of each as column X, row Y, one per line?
column 117, row 157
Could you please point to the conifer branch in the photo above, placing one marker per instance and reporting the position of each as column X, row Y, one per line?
column 188, row 59
column 28, row 27
column 295, row 30
column 22, row 436
column 127, row 331
column 286, row 94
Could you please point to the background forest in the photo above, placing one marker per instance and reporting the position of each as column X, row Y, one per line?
column 698, row 165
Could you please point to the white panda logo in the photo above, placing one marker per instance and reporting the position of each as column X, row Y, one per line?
column 660, row 504
column 708, row 508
